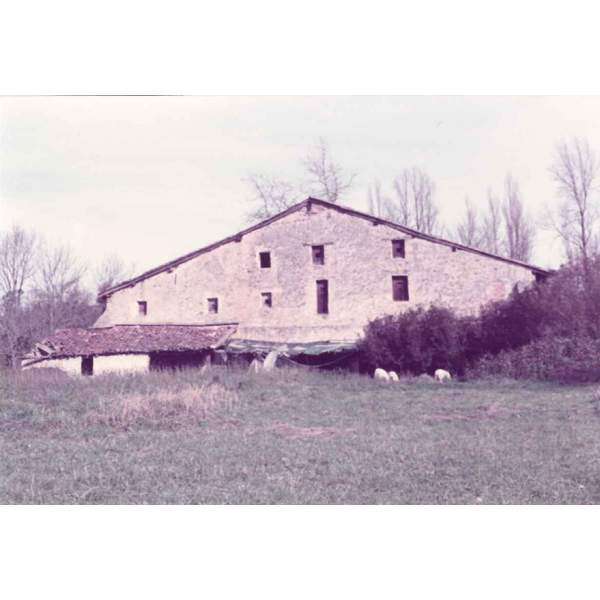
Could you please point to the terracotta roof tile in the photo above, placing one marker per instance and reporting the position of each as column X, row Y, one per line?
column 126, row 339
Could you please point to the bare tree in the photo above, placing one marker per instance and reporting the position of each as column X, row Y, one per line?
column 414, row 204
column 111, row 271
column 378, row 204
column 575, row 171
column 17, row 261
column 492, row 235
column 17, row 266
column 59, row 275
column 468, row 230
column 326, row 178
column 272, row 195
column 518, row 225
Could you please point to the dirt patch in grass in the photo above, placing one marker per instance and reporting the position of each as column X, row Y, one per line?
column 493, row 411
column 294, row 432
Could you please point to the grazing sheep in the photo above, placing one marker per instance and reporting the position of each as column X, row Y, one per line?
column 393, row 376
column 381, row 374
column 441, row 375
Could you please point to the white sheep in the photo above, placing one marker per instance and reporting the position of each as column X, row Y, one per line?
column 441, row 375
column 381, row 374
column 393, row 376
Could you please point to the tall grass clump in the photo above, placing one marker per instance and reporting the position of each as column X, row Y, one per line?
column 170, row 409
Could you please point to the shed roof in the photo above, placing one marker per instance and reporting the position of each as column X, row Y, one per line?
column 132, row 339
column 307, row 204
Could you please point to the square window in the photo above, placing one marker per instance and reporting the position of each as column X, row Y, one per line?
column 318, row 255
column 213, row 305
column 400, row 287
column 265, row 260
column 267, row 299
column 142, row 307
column 322, row 297
column 398, row 248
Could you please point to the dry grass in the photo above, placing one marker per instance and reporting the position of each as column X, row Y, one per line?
column 167, row 409
column 294, row 437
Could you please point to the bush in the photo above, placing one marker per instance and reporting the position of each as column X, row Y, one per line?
column 416, row 341
column 568, row 360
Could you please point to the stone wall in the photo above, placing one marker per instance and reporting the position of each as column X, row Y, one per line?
column 358, row 266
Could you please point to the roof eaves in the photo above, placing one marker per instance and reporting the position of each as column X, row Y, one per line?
column 425, row 236
column 181, row 259
column 295, row 207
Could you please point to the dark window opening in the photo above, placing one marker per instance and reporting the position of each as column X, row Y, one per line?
column 318, row 255
column 142, row 307
column 267, row 299
column 400, row 287
column 322, row 297
column 265, row 260
column 87, row 365
column 398, row 248
column 213, row 305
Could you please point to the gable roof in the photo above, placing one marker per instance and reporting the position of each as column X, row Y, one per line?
column 306, row 204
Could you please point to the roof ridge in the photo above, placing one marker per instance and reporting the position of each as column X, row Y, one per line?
column 290, row 210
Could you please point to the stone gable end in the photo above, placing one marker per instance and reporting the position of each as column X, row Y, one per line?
column 358, row 267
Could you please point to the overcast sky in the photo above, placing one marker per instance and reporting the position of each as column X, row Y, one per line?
column 151, row 178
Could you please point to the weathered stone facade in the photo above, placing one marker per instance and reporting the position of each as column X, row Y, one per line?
column 358, row 265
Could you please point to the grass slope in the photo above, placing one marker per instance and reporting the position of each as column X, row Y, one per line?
column 293, row 437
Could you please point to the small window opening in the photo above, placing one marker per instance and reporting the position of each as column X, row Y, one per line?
column 87, row 365
column 265, row 260
column 398, row 248
column 322, row 297
column 400, row 287
column 267, row 299
column 142, row 307
column 213, row 305
column 318, row 255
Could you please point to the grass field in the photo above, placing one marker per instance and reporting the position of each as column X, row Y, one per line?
column 294, row 437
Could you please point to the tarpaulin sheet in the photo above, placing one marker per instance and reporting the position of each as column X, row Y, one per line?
column 287, row 349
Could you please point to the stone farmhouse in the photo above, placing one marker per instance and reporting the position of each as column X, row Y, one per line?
column 305, row 281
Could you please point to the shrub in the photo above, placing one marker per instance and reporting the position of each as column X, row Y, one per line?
column 416, row 341
column 565, row 308
column 567, row 360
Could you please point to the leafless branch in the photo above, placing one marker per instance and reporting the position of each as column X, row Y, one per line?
column 378, row 204
column 271, row 195
column 18, row 249
column 327, row 179
column 111, row 271
column 575, row 171
column 519, row 227
column 468, row 230
column 59, row 274
column 414, row 204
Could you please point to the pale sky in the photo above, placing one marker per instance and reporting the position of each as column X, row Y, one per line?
column 152, row 178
